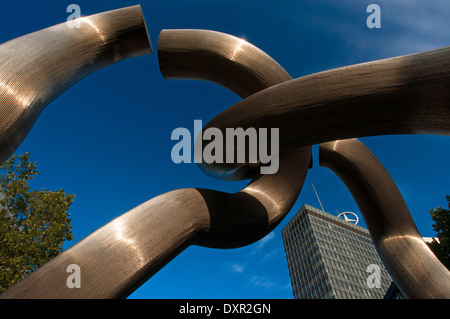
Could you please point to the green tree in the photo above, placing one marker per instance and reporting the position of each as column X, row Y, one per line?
column 441, row 247
column 33, row 224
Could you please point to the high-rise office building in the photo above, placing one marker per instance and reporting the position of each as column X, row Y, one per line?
column 331, row 258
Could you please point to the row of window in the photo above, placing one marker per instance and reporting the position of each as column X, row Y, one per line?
column 349, row 256
column 346, row 267
column 341, row 262
column 342, row 239
column 355, row 279
column 358, row 252
column 304, row 253
column 322, row 287
column 345, row 272
column 299, row 232
column 299, row 243
column 312, row 285
column 345, row 290
column 303, row 259
column 347, row 236
column 305, row 269
column 340, row 294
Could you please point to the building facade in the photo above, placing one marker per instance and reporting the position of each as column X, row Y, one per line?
column 330, row 258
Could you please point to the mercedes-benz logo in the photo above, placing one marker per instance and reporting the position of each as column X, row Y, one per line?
column 350, row 217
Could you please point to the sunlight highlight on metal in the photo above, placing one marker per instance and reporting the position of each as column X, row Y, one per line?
column 404, row 95
column 133, row 247
column 238, row 49
column 22, row 101
column 122, row 234
column 88, row 20
column 38, row 67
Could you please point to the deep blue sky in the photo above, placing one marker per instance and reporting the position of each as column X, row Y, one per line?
column 107, row 139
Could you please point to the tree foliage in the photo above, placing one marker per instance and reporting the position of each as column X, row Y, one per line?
column 33, row 224
column 441, row 247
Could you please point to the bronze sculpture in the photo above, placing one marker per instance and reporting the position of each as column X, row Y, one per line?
column 134, row 246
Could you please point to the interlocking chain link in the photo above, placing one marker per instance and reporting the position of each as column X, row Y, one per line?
column 400, row 95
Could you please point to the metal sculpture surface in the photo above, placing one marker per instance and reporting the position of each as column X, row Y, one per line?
column 36, row 68
column 381, row 97
column 414, row 268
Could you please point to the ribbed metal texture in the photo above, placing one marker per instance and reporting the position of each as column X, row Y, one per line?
column 394, row 96
column 403, row 95
column 410, row 262
column 38, row 67
column 119, row 257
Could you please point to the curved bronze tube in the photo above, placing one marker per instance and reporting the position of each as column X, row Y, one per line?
column 227, row 60
column 120, row 256
column 38, row 67
column 414, row 268
column 403, row 95
column 223, row 59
